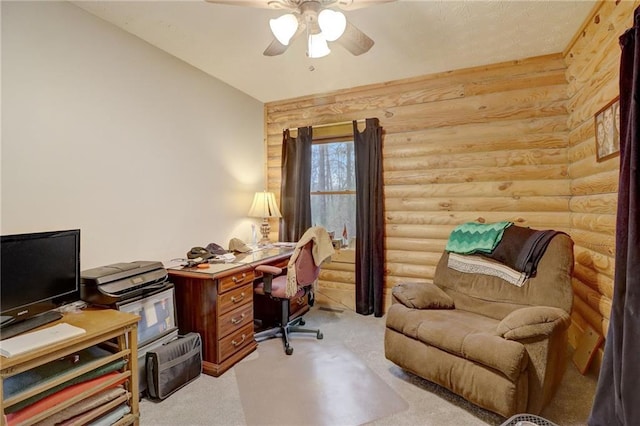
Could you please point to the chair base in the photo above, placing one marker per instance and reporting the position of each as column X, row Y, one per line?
column 293, row 326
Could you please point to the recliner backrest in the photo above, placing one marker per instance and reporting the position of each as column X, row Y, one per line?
column 496, row 298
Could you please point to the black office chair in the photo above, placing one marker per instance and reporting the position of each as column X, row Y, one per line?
column 274, row 285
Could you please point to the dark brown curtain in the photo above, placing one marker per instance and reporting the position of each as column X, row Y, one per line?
column 617, row 400
column 295, row 201
column 369, row 218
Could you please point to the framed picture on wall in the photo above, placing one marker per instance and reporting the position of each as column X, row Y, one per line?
column 607, row 127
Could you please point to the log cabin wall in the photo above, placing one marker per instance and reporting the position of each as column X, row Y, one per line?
column 593, row 61
column 510, row 141
column 486, row 144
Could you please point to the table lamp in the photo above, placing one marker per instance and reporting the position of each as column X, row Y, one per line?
column 264, row 206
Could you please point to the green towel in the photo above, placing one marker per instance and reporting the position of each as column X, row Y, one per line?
column 472, row 237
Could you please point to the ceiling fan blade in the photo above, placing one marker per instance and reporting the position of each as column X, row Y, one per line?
column 354, row 40
column 275, row 48
column 359, row 4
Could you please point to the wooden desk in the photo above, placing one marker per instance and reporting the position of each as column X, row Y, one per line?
column 217, row 302
column 101, row 325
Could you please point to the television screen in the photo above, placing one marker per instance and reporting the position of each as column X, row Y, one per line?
column 40, row 271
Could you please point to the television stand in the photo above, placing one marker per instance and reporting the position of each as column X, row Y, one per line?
column 29, row 324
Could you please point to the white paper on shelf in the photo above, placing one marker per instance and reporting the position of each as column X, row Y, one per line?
column 37, row 339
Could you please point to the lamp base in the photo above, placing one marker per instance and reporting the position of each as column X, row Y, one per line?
column 265, row 229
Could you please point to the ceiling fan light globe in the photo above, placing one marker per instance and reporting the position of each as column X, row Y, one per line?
column 284, row 27
column 332, row 23
column 317, row 46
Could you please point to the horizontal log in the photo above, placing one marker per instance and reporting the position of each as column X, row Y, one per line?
column 603, row 205
column 337, row 276
column 419, row 231
column 580, row 134
column 604, row 223
column 512, row 157
column 471, row 144
column 410, row 271
column 338, row 266
column 392, row 281
column 417, row 244
column 489, row 189
column 589, row 166
column 541, row 79
column 412, row 257
column 529, row 204
column 592, row 317
column 593, row 298
column 534, row 220
column 600, row 183
column 547, row 131
column 596, row 241
column 475, row 174
column 601, row 283
column 598, row 262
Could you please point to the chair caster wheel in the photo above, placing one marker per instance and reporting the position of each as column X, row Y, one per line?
column 302, row 322
column 288, row 350
column 319, row 335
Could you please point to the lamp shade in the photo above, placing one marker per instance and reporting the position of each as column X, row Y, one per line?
column 264, row 205
column 332, row 23
column 284, row 27
column 317, row 47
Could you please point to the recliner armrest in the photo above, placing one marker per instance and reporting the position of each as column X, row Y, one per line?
column 533, row 321
column 422, row 296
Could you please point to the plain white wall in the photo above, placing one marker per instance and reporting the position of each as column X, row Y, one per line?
column 101, row 131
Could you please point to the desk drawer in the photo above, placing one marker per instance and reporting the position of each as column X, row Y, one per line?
column 227, row 346
column 235, row 319
column 235, row 280
column 234, row 298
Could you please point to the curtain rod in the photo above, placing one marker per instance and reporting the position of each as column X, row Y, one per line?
column 341, row 123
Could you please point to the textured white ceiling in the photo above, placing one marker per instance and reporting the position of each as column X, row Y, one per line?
column 412, row 38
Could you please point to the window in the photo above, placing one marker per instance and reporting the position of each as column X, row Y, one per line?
column 333, row 186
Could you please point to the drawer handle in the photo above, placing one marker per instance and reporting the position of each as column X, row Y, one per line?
column 235, row 280
column 236, row 300
column 234, row 343
column 235, row 321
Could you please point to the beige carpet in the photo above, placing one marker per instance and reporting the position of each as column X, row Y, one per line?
column 322, row 383
column 217, row 401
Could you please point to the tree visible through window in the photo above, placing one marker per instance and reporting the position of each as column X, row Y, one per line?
column 333, row 187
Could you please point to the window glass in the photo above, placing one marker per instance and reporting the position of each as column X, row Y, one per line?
column 333, row 187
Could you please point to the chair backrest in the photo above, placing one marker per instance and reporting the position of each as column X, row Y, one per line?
column 306, row 270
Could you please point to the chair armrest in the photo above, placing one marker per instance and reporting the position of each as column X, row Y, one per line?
column 267, row 269
column 533, row 321
column 422, row 296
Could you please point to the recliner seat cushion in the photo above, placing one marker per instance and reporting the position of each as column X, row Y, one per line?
column 461, row 333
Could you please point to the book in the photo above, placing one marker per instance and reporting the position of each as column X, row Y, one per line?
column 37, row 339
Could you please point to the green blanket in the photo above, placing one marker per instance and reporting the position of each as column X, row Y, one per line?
column 472, row 237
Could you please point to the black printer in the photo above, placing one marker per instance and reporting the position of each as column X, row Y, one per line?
column 111, row 284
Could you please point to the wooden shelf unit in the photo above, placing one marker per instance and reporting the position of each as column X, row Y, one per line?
column 101, row 326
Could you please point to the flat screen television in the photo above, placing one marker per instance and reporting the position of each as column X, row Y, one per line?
column 40, row 271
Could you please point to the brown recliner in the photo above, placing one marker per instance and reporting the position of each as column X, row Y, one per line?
column 500, row 346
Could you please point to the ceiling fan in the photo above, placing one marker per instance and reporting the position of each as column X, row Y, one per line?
column 317, row 20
